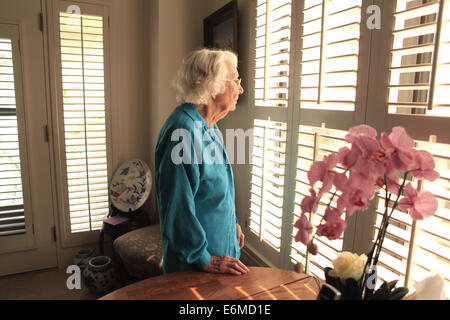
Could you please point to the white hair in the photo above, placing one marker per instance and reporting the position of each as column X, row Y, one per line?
column 201, row 75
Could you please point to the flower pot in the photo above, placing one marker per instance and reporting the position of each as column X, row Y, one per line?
column 82, row 257
column 99, row 276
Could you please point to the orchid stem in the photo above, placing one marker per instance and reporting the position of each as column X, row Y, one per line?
column 390, row 215
column 383, row 228
column 375, row 246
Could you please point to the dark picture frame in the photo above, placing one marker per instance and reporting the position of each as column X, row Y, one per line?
column 220, row 29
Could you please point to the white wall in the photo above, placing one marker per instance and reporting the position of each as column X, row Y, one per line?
column 129, row 52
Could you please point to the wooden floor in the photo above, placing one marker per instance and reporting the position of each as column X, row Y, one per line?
column 48, row 285
column 42, row 285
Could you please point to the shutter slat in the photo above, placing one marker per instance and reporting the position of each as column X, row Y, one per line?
column 419, row 42
column 82, row 70
column 336, row 41
column 272, row 53
column 267, row 184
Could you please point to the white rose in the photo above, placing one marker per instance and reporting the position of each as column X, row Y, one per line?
column 348, row 265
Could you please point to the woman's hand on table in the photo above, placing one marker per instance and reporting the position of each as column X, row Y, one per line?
column 226, row 264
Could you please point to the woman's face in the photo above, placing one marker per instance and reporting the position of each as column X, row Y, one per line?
column 227, row 101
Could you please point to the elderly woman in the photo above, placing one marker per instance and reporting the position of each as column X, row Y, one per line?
column 194, row 180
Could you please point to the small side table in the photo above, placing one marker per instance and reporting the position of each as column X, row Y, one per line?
column 136, row 220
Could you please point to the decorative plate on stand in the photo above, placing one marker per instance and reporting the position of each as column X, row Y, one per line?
column 131, row 185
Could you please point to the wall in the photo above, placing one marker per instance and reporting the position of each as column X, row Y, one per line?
column 129, row 51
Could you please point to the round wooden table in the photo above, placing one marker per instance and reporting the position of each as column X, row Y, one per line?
column 257, row 284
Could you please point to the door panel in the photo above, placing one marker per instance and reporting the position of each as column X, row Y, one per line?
column 26, row 207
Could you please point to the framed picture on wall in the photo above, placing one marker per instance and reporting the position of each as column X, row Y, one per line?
column 220, row 29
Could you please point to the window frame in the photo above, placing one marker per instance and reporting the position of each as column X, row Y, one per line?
column 27, row 240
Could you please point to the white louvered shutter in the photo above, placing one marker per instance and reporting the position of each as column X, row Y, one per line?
column 12, row 216
column 84, row 108
column 313, row 145
column 344, row 78
column 432, row 235
column 330, row 61
column 267, row 182
column 413, row 249
column 329, row 54
column 420, row 58
column 418, row 100
column 272, row 53
column 270, row 113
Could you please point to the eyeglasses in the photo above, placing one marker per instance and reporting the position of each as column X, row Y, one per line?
column 237, row 81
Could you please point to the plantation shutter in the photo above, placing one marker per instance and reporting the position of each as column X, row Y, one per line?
column 420, row 59
column 413, row 249
column 418, row 100
column 84, row 116
column 431, row 237
column 418, row 83
column 267, row 182
column 314, row 144
column 12, row 215
column 329, row 102
column 329, row 59
column 272, row 58
column 272, row 53
column 346, row 75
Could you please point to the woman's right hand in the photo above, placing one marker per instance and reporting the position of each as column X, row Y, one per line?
column 226, row 264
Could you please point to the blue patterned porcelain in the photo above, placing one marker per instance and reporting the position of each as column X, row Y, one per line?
column 82, row 257
column 99, row 276
column 131, row 185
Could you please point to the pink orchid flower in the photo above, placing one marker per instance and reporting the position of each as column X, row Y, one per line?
column 323, row 171
column 334, row 226
column 424, row 166
column 320, row 169
column 340, row 181
column 347, row 157
column 420, row 204
column 363, row 140
column 305, row 230
column 359, row 190
column 309, row 204
column 360, row 131
column 365, row 146
column 400, row 148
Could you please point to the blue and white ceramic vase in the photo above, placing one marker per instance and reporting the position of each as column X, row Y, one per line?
column 82, row 257
column 99, row 276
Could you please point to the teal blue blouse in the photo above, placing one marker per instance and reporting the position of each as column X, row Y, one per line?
column 195, row 191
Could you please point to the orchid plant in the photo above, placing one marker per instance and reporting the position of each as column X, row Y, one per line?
column 369, row 165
